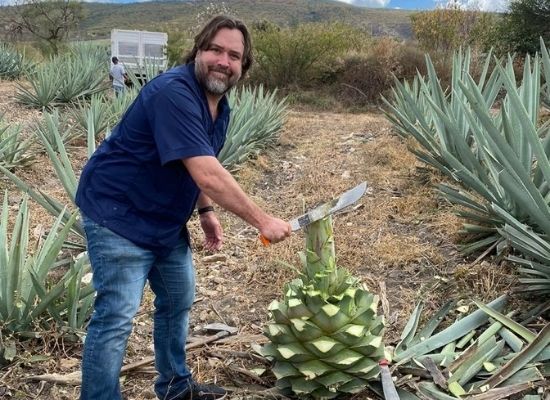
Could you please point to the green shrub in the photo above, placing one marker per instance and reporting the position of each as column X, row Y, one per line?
column 302, row 55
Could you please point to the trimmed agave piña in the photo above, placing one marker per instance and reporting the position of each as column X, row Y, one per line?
column 326, row 337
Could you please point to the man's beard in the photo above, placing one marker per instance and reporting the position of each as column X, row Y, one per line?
column 212, row 84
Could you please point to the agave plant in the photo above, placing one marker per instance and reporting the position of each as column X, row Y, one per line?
column 13, row 65
column 256, row 121
column 490, row 153
column 144, row 71
column 24, row 295
column 325, row 336
column 102, row 112
column 15, row 151
column 52, row 139
column 64, row 79
column 546, row 69
column 45, row 82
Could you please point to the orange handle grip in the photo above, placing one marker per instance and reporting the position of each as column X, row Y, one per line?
column 265, row 241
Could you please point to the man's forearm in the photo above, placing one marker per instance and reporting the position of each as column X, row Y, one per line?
column 218, row 184
column 203, row 201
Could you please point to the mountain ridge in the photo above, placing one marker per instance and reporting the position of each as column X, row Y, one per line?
column 170, row 15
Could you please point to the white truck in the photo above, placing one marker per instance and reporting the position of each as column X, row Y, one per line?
column 141, row 53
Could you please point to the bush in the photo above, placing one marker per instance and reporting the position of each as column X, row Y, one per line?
column 365, row 76
column 302, row 55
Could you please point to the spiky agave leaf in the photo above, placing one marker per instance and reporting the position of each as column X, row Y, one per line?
column 326, row 338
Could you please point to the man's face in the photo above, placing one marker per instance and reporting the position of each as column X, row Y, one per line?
column 219, row 67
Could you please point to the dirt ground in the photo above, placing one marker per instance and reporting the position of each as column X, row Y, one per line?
column 400, row 240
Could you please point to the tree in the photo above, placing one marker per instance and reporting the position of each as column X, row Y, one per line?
column 49, row 21
column 525, row 22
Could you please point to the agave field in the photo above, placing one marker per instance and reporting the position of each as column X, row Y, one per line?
column 441, row 268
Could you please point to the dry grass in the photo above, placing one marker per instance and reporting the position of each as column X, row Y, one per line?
column 400, row 235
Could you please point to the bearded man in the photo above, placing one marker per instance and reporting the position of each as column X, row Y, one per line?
column 136, row 194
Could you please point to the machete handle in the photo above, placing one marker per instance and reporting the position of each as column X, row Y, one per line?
column 265, row 241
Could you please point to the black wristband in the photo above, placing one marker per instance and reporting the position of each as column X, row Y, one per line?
column 205, row 209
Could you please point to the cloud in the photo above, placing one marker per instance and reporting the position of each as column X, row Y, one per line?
column 481, row 5
column 489, row 5
column 367, row 3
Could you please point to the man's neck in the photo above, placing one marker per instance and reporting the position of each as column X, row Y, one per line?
column 213, row 102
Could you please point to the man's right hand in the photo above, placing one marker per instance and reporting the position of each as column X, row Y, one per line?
column 275, row 230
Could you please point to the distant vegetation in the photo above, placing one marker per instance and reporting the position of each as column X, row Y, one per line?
column 100, row 18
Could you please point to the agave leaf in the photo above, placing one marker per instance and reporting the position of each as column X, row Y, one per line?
column 431, row 391
column 485, row 352
column 409, row 331
column 521, row 359
column 284, row 370
column 313, row 369
column 302, row 386
column 508, row 322
column 514, row 342
column 294, row 352
column 528, row 374
column 465, row 339
column 455, row 331
column 502, row 393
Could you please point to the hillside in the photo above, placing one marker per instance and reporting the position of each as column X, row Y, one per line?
column 100, row 18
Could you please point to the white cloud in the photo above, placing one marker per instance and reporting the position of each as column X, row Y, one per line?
column 367, row 3
column 481, row 5
column 489, row 5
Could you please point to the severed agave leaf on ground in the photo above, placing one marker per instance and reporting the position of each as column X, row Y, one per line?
column 325, row 335
column 495, row 364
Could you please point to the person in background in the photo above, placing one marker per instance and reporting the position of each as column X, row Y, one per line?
column 136, row 194
column 118, row 76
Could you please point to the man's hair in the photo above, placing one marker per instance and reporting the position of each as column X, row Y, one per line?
column 114, row 60
column 206, row 35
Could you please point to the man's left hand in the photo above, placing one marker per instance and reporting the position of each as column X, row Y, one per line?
column 213, row 233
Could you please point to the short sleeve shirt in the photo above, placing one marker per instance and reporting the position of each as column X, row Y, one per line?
column 135, row 183
column 117, row 72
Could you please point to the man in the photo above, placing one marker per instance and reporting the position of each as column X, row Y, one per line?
column 137, row 192
column 118, row 76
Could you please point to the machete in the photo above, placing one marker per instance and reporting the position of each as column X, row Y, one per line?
column 344, row 200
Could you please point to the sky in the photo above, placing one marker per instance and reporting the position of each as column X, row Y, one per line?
column 482, row 5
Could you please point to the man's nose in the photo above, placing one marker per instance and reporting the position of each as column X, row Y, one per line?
column 223, row 60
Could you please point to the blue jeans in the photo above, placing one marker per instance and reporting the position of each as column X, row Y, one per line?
column 118, row 90
column 120, row 270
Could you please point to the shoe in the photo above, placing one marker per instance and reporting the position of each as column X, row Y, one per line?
column 204, row 392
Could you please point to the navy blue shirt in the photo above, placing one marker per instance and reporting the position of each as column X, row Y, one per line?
column 135, row 183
